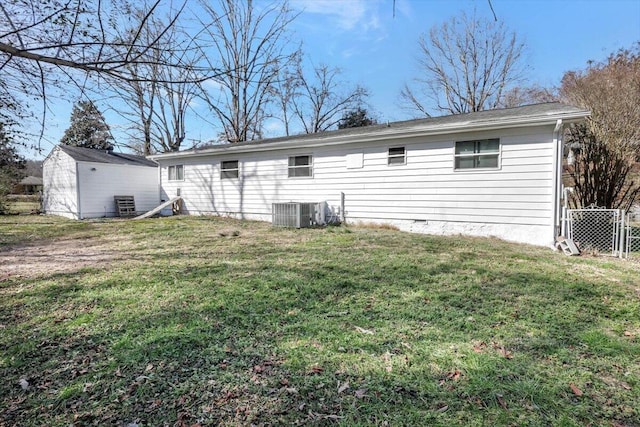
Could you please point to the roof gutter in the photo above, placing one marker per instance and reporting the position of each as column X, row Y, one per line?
column 373, row 137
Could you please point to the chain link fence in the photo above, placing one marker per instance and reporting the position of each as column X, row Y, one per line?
column 596, row 230
column 632, row 243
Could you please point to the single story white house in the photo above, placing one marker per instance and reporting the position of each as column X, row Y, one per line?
column 81, row 182
column 491, row 173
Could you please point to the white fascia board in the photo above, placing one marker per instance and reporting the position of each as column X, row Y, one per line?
column 388, row 133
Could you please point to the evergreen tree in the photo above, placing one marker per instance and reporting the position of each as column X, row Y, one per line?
column 88, row 128
column 355, row 119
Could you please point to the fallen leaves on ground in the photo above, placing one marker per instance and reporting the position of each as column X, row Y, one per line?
column 575, row 390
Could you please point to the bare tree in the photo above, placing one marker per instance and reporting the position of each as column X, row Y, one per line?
column 606, row 150
column 610, row 89
column 467, row 64
column 284, row 91
column 321, row 101
column 47, row 44
column 601, row 172
column 159, row 96
column 250, row 43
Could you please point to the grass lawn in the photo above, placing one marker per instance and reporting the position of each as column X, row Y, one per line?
column 20, row 204
column 198, row 321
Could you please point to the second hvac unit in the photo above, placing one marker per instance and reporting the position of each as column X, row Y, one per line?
column 297, row 214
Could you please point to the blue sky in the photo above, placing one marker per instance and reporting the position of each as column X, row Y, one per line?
column 378, row 51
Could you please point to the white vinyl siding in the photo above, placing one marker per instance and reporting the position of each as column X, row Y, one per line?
column 99, row 182
column 506, row 202
column 79, row 189
column 60, row 191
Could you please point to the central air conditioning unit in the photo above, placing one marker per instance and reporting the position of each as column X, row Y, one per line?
column 294, row 214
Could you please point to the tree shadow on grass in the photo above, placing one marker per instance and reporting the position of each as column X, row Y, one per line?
column 454, row 342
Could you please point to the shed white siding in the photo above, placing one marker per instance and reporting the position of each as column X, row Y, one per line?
column 60, row 191
column 81, row 189
column 99, row 182
column 426, row 194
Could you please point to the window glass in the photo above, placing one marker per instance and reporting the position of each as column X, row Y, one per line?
column 300, row 166
column 176, row 173
column 299, row 160
column 465, row 147
column 487, row 161
column 488, row 145
column 229, row 169
column 482, row 153
column 396, row 156
column 465, row 163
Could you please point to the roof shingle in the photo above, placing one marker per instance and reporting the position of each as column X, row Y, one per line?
column 82, row 154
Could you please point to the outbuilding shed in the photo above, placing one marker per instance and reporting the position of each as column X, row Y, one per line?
column 81, row 183
column 490, row 173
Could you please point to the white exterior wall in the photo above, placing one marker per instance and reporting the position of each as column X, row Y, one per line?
column 97, row 187
column 60, row 191
column 425, row 195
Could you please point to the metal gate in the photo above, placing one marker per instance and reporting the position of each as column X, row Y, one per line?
column 596, row 230
column 632, row 244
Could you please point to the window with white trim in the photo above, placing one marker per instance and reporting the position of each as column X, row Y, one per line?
column 229, row 169
column 300, row 166
column 176, row 173
column 477, row 154
column 397, row 156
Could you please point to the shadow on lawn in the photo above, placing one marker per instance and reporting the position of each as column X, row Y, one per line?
column 273, row 343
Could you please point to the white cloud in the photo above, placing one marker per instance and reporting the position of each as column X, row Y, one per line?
column 212, row 84
column 348, row 14
column 273, row 128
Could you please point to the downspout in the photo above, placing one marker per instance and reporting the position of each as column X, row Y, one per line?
column 78, row 191
column 160, row 200
column 557, row 178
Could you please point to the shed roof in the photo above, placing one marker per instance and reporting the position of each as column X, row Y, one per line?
column 536, row 114
column 82, row 154
column 31, row 180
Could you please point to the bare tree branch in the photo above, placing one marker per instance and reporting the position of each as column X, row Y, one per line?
column 250, row 44
column 47, row 45
column 607, row 148
column 467, row 64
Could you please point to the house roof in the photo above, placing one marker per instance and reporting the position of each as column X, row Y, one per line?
column 31, row 180
column 536, row 114
column 82, row 154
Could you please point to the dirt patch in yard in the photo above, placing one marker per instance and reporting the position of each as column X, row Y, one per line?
column 61, row 256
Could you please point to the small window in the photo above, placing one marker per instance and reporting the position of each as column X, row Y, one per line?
column 229, row 169
column 300, row 166
column 176, row 173
column 397, row 156
column 479, row 154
